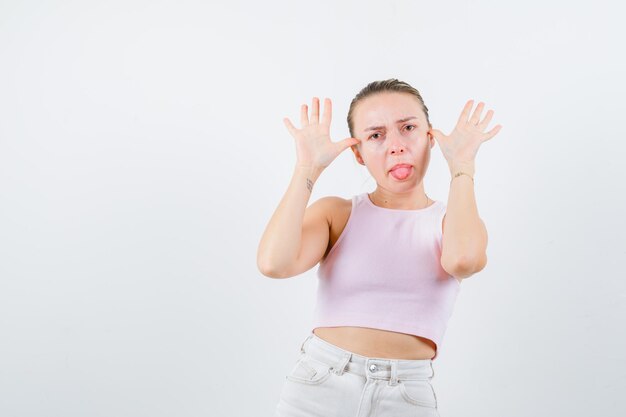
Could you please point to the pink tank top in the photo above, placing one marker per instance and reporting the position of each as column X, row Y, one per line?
column 384, row 272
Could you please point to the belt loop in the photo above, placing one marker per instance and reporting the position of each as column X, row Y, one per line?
column 303, row 343
column 394, row 372
column 341, row 365
column 432, row 369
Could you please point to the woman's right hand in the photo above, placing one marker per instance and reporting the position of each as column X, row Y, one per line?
column 313, row 145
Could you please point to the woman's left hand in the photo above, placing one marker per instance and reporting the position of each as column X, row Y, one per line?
column 463, row 143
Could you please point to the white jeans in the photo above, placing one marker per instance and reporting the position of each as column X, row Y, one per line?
column 328, row 381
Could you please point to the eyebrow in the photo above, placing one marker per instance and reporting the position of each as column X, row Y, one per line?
column 382, row 127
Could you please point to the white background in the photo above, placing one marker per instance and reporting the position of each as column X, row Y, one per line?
column 142, row 153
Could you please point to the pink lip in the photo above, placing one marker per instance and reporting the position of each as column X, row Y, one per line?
column 400, row 166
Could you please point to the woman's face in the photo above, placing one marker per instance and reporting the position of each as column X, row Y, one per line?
column 393, row 130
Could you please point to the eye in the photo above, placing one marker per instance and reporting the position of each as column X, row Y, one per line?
column 411, row 126
column 372, row 136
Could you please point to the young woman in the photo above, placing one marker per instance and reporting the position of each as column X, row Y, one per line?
column 390, row 261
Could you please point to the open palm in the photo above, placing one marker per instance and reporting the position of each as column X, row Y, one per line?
column 468, row 134
column 314, row 147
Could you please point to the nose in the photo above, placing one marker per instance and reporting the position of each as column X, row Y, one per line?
column 396, row 143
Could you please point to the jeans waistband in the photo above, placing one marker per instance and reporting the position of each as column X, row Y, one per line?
column 342, row 360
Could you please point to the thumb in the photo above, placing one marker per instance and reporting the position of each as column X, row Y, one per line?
column 346, row 143
column 436, row 133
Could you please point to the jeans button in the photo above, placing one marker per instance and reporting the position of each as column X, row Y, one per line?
column 372, row 368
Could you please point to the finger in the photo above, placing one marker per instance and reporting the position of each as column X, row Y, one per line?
column 315, row 110
column 304, row 115
column 435, row 133
column 492, row 132
column 328, row 111
column 465, row 112
column 476, row 116
column 290, row 127
column 482, row 125
column 346, row 143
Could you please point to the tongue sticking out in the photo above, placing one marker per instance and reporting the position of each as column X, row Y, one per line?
column 401, row 173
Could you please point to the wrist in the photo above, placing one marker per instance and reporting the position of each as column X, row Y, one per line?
column 462, row 169
column 466, row 167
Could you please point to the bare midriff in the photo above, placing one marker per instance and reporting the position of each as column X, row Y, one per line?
column 376, row 343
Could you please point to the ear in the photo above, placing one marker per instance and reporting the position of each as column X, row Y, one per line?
column 431, row 137
column 357, row 154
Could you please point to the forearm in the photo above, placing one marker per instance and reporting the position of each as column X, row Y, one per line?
column 280, row 242
column 464, row 236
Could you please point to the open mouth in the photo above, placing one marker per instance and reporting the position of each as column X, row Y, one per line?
column 401, row 172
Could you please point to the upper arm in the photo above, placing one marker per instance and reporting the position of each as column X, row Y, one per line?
column 315, row 236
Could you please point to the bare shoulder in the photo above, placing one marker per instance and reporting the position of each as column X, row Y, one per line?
column 335, row 208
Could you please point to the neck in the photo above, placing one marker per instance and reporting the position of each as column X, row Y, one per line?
column 410, row 200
